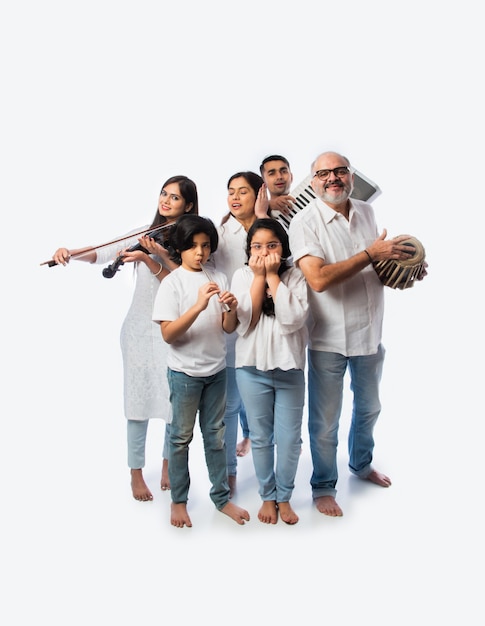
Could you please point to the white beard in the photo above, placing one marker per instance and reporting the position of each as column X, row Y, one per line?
column 336, row 198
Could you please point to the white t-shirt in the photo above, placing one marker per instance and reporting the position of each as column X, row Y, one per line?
column 201, row 351
column 277, row 341
column 346, row 318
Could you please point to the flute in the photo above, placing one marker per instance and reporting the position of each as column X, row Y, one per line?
column 225, row 307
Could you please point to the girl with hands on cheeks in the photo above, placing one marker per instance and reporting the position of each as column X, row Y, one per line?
column 270, row 361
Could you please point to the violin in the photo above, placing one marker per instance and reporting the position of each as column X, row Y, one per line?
column 161, row 234
column 157, row 234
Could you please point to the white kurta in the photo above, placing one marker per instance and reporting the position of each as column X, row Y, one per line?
column 146, row 393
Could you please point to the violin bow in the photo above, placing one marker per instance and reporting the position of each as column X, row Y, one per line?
column 52, row 263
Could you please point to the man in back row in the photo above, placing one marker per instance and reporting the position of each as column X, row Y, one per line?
column 334, row 240
column 276, row 173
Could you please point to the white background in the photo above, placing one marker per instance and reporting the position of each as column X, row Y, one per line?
column 101, row 103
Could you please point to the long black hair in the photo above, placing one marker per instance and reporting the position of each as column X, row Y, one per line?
column 188, row 191
column 268, row 223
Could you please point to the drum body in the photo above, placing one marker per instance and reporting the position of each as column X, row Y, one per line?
column 402, row 274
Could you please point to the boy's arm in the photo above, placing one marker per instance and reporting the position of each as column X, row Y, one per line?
column 229, row 320
column 229, row 316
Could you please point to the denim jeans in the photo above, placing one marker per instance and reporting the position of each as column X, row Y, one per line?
column 326, row 372
column 189, row 394
column 136, row 432
column 274, row 403
column 243, row 420
column 231, row 419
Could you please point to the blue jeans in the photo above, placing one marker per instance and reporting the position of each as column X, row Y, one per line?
column 189, row 394
column 231, row 420
column 243, row 420
column 326, row 372
column 274, row 403
column 136, row 433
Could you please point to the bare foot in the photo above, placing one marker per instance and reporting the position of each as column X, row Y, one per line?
column 379, row 479
column 235, row 512
column 165, row 482
column 328, row 506
column 287, row 514
column 268, row 513
column 232, row 485
column 243, row 447
column 139, row 487
column 179, row 516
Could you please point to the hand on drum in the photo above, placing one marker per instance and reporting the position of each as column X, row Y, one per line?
column 383, row 249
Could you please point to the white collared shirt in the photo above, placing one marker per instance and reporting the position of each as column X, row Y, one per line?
column 346, row 318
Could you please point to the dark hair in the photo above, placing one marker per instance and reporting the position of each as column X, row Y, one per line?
column 273, row 157
column 188, row 191
column 280, row 233
column 254, row 181
column 182, row 234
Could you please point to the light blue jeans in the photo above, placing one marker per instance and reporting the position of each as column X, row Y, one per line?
column 136, row 432
column 326, row 372
column 189, row 394
column 231, row 420
column 243, row 420
column 274, row 403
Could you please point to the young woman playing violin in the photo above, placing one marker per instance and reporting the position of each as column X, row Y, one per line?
column 144, row 352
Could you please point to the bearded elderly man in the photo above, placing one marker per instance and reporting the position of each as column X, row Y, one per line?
column 334, row 241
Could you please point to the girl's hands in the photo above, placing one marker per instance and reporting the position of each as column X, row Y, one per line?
column 272, row 263
column 263, row 265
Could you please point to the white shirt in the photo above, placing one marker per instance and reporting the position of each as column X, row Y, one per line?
column 231, row 250
column 277, row 341
column 346, row 318
column 201, row 350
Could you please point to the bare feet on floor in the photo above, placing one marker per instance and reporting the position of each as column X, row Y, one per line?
column 268, row 513
column 243, row 447
column 328, row 506
column 139, row 487
column 287, row 514
column 379, row 479
column 232, row 485
column 235, row 512
column 165, row 482
column 179, row 516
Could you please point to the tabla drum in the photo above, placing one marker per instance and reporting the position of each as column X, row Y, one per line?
column 402, row 274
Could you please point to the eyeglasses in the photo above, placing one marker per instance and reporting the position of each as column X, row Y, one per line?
column 338, row 171
column 272, row 245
